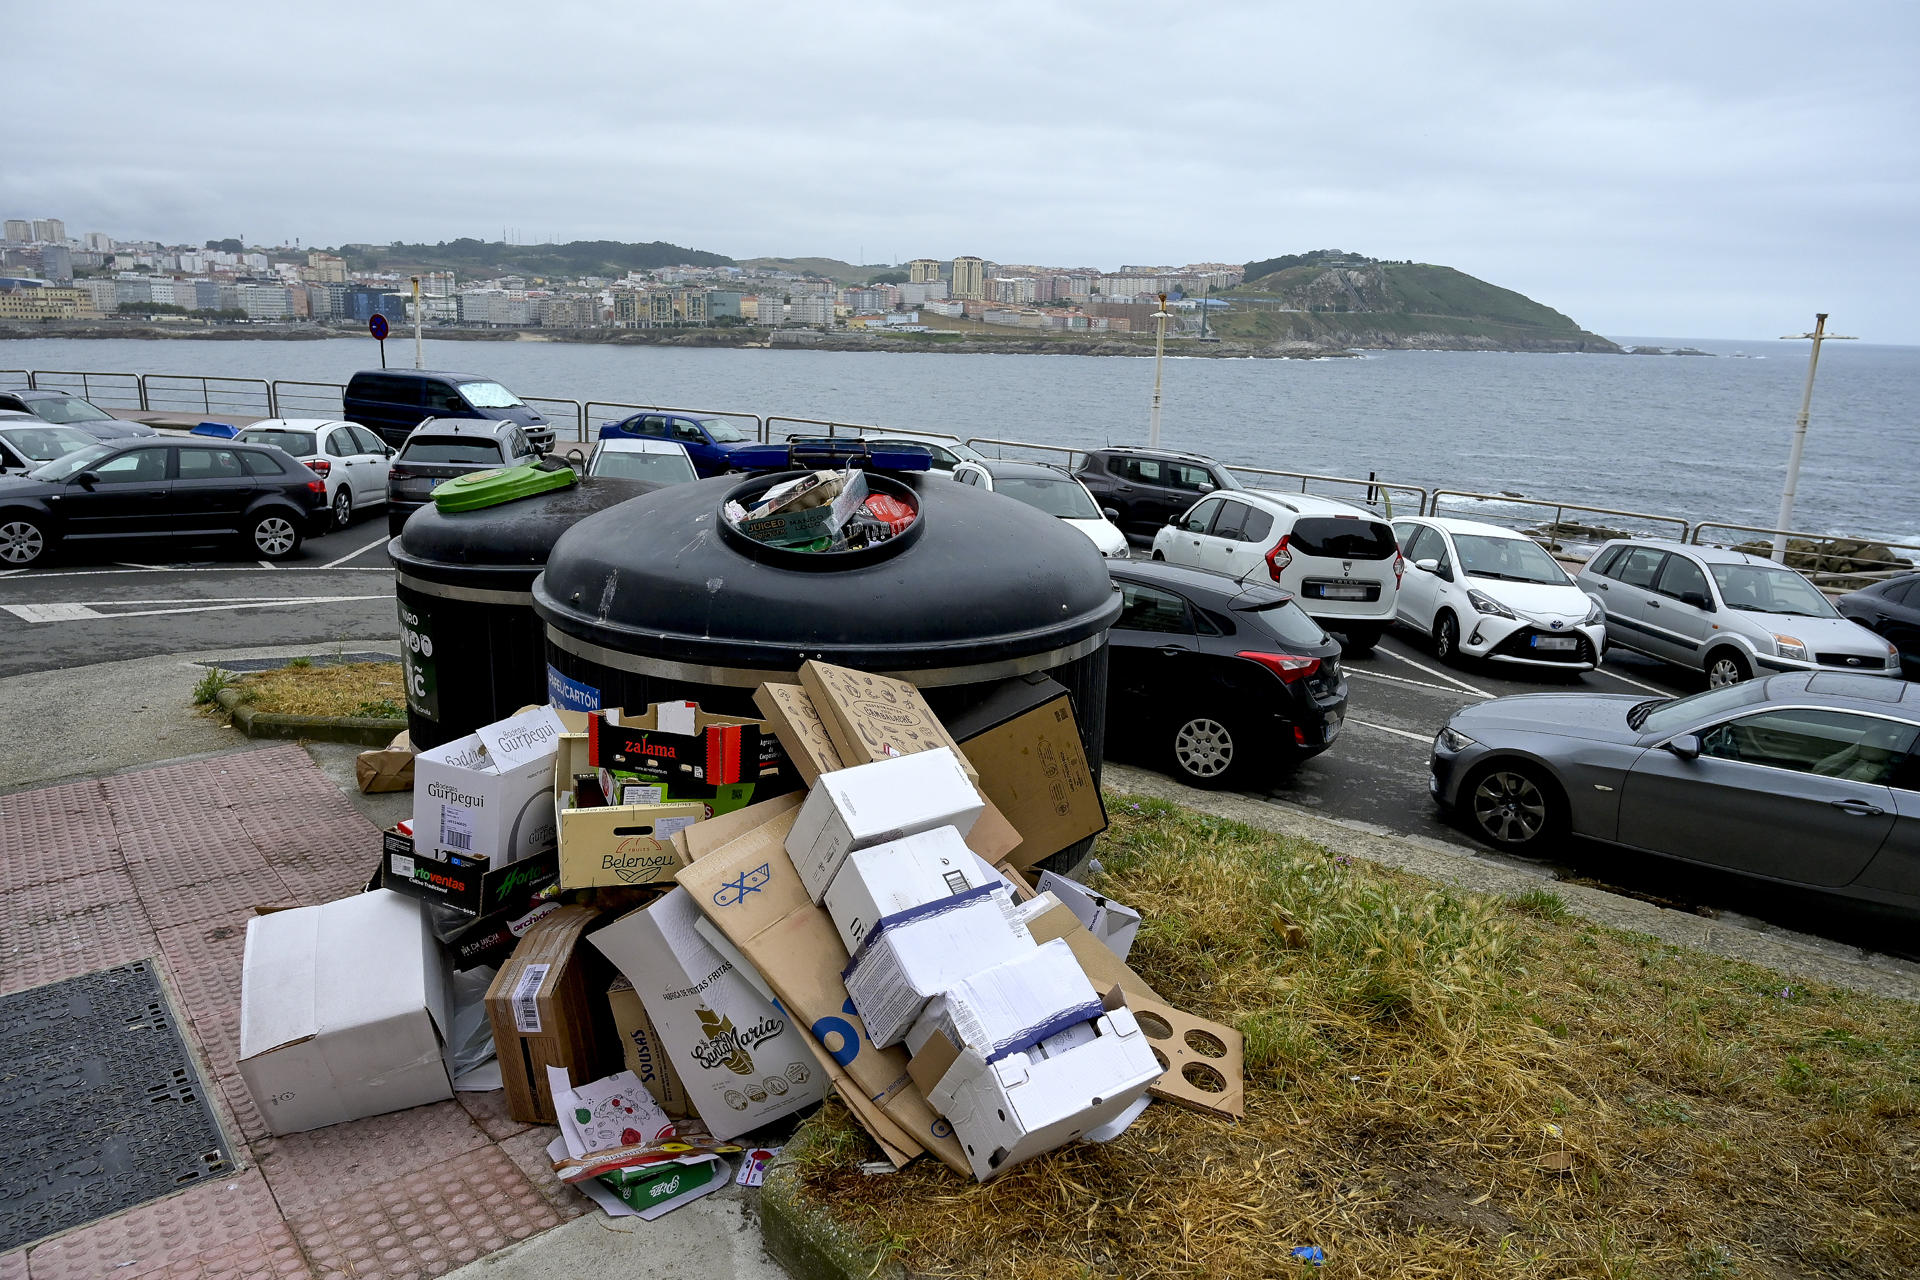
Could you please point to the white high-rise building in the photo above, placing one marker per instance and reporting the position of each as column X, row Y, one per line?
column 18, row 231
column 49, row 231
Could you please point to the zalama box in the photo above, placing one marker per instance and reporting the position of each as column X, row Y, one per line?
column 742, row 1060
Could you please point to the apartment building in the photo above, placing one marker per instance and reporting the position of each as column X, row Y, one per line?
column 969, row 278
column 923, row 271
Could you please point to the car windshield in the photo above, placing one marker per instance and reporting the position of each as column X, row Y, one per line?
column 1760, row 588
column 724, row 432
column 1663, row 716
column 665, row 468
column 65, row 409
column 450, row 449
column 1063, row 498
column 73, row 463
column 297, row 443
column 44, row 444
column 1508, row 559
column 489, row 395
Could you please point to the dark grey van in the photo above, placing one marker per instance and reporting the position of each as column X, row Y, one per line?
column 392, row 402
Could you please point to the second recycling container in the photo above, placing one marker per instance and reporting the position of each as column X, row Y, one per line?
column 663, row 599
column 472, row 648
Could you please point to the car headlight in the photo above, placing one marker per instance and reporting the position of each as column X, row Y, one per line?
column 1122, row 554
column 1594, row 613
column 1791, row 647
column 1486, row 604
column 1452, row 741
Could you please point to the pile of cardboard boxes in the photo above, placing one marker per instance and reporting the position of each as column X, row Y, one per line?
column 702, row 923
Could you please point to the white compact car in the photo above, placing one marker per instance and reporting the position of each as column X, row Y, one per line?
column 1051, row 489
column 1485, row 592
column 1340, row 561
column 643, row 458
column 350, row 458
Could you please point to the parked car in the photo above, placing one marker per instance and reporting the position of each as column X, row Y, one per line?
column 26, row 442
column 661, row 461
column 1225, row 681
column 1148, row 487
column 710, row 442
column 176, row 488
column 442, row 448
column 947, row 452
column 350, row 458
column 1481, row 591
column 1050, row 489
column 65, row 409
column 392, row 402
column 1890, row 609
column 1341, row 561
column 1726, row 613
column 1805, row 779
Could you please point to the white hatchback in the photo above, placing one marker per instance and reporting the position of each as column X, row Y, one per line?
column 1485, row 592
column 1339, row 560
column 350, row 458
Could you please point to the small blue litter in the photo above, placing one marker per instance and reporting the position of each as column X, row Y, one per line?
column 1310, row 1253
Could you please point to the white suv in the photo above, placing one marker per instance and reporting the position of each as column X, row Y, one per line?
column 1339, row 560
column 351, row 459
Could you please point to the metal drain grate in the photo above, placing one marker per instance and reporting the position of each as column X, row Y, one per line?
column 101, row 1105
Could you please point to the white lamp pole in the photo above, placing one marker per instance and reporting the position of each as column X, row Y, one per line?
column 1818, row 336
column 419, row 360
column 1159, row 353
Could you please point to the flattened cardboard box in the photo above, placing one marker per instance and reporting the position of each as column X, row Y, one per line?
column 645, row 1053
column 1025, row 746
column 797, row 724
column 871, row 717
column 548, row 1010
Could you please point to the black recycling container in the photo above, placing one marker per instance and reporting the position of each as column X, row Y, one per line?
column 471, row 645
column 662, row 599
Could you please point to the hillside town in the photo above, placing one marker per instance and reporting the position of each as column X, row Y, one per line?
column 47, row 275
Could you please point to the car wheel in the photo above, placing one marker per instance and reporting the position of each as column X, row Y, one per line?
column 343, row 508
column 1158, row 556
column 1446, row 637
column 22, row 541
column 1210, row 750
column 1727, row 666
column 274, row 536
column 1361, row 639
column 1513, row 807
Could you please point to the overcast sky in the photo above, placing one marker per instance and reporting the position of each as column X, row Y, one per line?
column 1679, row 169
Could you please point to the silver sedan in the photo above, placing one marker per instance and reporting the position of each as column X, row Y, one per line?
column 1805, row 779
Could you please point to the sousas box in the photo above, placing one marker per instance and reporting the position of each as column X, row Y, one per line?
column 743, row 1061
column 875, row 803
column 489, row 794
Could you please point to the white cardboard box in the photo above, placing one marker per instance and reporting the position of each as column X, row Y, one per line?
column 1023, row 1104
column 899, row 875
column 1110, row 921
column 874, row 803
column 1010, row 1005
column 343, row 1011
column 915, row 954
column 742, row 1060
column 490, row 794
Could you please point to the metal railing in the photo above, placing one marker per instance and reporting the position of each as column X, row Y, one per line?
column 835, row 427
column 593, row 420
column 295, row 399
column 1379, row 493
column 999, row 445
column 1559, row 509
column 568, row 418
column 1823, row 561
column 108, row 390
column 190, row 393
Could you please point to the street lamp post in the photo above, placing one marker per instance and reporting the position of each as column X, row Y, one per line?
column 419, row 360
column 1159, row 354
column 1818, row 336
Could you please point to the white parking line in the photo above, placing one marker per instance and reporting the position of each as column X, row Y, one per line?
column 1439, row 675
column 268, row 564
column 82, row 612
column 200, row 568
column 1418, row 684
column 1665, row 693
column 353, row 555
column 1398, row 733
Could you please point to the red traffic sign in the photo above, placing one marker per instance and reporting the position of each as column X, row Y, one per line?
column 377, row 326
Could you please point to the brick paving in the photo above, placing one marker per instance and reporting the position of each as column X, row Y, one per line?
column 170, row 863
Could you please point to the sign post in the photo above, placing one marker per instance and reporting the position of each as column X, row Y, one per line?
column 377, row 326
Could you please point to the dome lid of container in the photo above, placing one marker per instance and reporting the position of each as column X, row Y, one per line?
column 503, row 546
column 978, row 587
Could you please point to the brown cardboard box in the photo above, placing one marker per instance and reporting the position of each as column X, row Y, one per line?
column 623, row 844
column 871, row 717
column 547, row 1010
column 702, row 838
column 388, row 768
column 1026, row 748
column 645, row 1054
column 797, row 724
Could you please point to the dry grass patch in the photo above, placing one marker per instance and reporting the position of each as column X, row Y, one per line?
column 1441, row 1084
column 371, row 689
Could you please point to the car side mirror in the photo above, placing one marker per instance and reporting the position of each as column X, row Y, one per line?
column 1111, row 513
column 1698, row 599
column 1428, row 565
column 1686, row 746
column 86, row 480
column 1205, row 487
column 1173, row 521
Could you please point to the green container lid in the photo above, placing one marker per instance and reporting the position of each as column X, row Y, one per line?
column 496, row 485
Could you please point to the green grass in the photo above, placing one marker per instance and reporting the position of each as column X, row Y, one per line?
column 210, row 685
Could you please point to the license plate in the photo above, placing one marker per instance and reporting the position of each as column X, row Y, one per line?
column 1332, row 727
column 1343, row 591
column 1554, row 642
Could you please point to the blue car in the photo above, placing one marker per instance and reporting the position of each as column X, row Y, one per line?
column 715, row 445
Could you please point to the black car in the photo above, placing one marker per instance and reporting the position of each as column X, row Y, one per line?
column 392, row 402
column 68, row 410
column 1891, row 609
column 165, row 487
column 1148, row 487
column 1222, row 680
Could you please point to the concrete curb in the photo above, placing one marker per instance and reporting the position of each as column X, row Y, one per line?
column 358, row 730
column 800, row 1236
